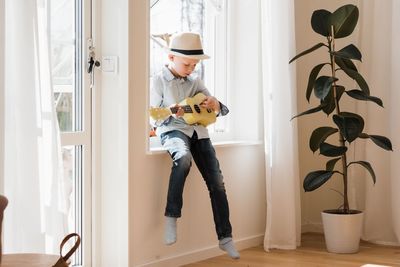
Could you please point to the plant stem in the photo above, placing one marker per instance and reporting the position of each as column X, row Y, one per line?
column 331, row 42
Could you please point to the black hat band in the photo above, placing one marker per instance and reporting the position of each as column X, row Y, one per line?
column 189, row 52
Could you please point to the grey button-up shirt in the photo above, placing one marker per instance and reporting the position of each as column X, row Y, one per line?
column 168, row 90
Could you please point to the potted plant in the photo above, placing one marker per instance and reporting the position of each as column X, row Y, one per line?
column 342, row 226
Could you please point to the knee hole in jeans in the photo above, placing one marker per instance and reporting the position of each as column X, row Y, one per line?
column 183, row 161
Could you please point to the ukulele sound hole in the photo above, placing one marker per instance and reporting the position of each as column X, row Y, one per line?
column 197, row 108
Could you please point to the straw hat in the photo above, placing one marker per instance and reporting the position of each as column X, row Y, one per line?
column 186, row 44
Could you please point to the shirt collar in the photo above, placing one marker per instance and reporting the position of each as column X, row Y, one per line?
column 167, row 73
column 169, row 76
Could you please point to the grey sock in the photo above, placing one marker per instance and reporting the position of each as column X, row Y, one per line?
column 227, row 245
column 170, row 230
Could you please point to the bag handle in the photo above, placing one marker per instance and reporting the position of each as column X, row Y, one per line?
column 73, row 249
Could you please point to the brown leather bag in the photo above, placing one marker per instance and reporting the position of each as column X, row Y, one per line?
column 63, row 260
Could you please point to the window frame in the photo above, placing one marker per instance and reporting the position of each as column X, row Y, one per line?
column 217, row 67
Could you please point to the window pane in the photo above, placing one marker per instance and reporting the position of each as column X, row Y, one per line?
column 208, row 18
column 171, row 16
column 64, row 110
column 72, row 156
column 63, row 47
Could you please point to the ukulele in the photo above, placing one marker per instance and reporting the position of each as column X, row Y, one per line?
column 193, row 112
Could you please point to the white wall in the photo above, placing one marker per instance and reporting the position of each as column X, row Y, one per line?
column 111, row 222
column 324, row 198
column 133, row 184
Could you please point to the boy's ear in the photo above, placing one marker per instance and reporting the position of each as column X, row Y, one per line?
column 171, row 57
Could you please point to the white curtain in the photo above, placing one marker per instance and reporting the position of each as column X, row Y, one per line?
column 36, row 218
column 279, row 87
column 2, row 55
column 379, row 44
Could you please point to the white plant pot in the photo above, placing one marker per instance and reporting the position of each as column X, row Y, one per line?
column 342, row 231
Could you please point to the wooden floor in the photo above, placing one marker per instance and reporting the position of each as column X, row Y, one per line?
column 311, row 253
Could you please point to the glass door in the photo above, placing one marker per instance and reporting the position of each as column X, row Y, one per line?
column 70, row 31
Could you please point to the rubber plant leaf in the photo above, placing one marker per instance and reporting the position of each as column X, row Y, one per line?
column 379, row 140
column 349, row 52
column 344, row 20
column 319, row 136
column 330, row 165
column 315, row 179
column 350, row 125
column 367, row 166
column 323, row 86
column 354, row 75
column 320, row 22
column 331, row 150
column 360, row 95
column 311, row 79
column 310, row 111
column 315, row 47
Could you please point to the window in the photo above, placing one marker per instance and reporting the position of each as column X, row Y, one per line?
column 209, row 19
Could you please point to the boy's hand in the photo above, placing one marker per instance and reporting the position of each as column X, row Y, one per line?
column 210, row 102
column 180, row 112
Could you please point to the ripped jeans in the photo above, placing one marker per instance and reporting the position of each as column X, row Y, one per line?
column 182, row 149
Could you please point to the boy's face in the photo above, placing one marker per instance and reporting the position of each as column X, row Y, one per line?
column 183, row 66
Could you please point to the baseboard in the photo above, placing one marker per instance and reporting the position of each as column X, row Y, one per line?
column 312, row 228
column 203, row 254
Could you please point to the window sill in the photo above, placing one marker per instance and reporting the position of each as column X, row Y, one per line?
column 158, row 149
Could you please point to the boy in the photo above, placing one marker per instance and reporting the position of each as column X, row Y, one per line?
column 184, row 142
